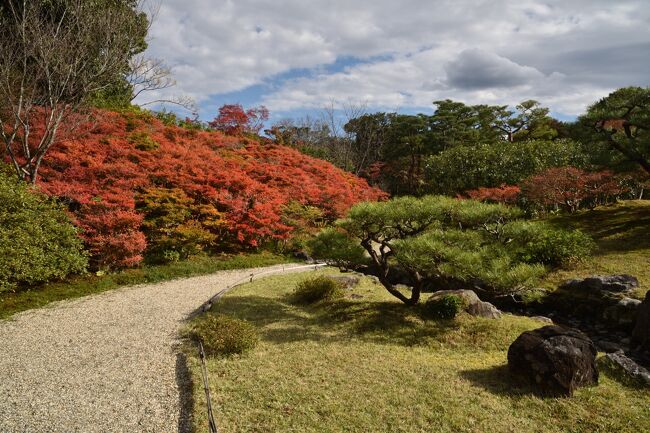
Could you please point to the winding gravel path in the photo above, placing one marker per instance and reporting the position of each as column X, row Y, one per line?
column 104, row 363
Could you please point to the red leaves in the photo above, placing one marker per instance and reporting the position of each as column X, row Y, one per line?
column 233, row 120
column 508, row 194
column 249, row 183
column 571, row 188
column 568, row 188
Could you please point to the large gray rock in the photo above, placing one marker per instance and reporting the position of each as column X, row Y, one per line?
column 623, row 312
column 625, row 368
column 471, row 303
column 607, row 283
column 555, row 358
column 303, row 255
column 348, row 281
column 641, row 332
column 483, row 309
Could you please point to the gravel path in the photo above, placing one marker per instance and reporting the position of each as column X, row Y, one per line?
column 104, row 363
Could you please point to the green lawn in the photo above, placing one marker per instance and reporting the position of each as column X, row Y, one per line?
column 12, row 303
column 622, row 233
column 369, row 364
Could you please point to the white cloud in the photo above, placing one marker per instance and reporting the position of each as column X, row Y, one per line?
column 495, row 51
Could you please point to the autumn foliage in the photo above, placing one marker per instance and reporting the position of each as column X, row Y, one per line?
column 508, row 194
column 130, row 181
column 566, row 188
column 234, row 120
column 571, row 188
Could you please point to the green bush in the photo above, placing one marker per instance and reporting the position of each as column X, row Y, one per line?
column 446, row 307
column 464, row 168
column 317, row 289
column 223, row 335
column 538, row 242
column 143, row 141
column 337, row 248
column 38, row 243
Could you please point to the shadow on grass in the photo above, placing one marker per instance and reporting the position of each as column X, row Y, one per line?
column 380, row 322
column 499, row 381
column 615, row 229
column 185, row 396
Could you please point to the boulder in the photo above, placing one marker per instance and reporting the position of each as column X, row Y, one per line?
column 607, row 346
column 471, row 303
column 348, row 281
column 483, row 309
column 641, row 332
column 543, row 319
column 607, row 283
column 555, row 358
column 625, row 368
column 302, row 255
column 623, row 313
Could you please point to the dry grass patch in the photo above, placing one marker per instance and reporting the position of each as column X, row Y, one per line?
column 367, row 363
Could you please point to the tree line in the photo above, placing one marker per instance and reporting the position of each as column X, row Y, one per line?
column 462, row 147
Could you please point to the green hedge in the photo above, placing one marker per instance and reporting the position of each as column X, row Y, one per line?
column 38, row 242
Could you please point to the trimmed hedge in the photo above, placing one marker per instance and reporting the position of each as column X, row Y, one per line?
column 223, row 335
column 317, row 289
column 38, row 242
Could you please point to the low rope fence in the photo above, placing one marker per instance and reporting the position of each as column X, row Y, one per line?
column 209, row 303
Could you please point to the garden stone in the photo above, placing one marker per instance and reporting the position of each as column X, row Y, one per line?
column 543, row 319
column 555, row 358
column 625, row 368
column 348, row 281
column 622, row 313
column 484, row 309
column 606, row 283
column 302, row 255
column 641, row 332
column 608, row 346
column 471, row 302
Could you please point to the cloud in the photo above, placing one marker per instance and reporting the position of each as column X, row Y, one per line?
column 407, row 53
column 479, row 69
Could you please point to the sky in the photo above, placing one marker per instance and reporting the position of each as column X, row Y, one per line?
column 297, row 56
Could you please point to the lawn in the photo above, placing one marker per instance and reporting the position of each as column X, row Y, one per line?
column 36, row 297
column 367, row 363
column 622, row 234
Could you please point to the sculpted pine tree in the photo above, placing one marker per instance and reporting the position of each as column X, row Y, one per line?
column 622, row 121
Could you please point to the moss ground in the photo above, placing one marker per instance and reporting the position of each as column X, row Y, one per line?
column 366, row 363
column 622, row 233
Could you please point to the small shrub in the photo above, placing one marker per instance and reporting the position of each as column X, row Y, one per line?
column 223, row 335
column 317, row 289
column 143, row 141
column 38, row 242
column 446, row 307
column 541, row 243
column 334, row 246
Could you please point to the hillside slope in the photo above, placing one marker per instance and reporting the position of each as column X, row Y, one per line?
column 233, row 190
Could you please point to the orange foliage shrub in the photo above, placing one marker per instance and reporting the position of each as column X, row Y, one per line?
column 234, row 188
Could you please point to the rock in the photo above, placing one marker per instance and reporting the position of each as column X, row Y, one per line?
column 349, row 281
column 556, row 358
column 625, row 368
column 302, row 255
column 472, row 304
column 623, row 312
column 543, row 319
column 608, row 346
column 468, row 296
column 641, row 332
column 607, row 283
column 483, row 309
